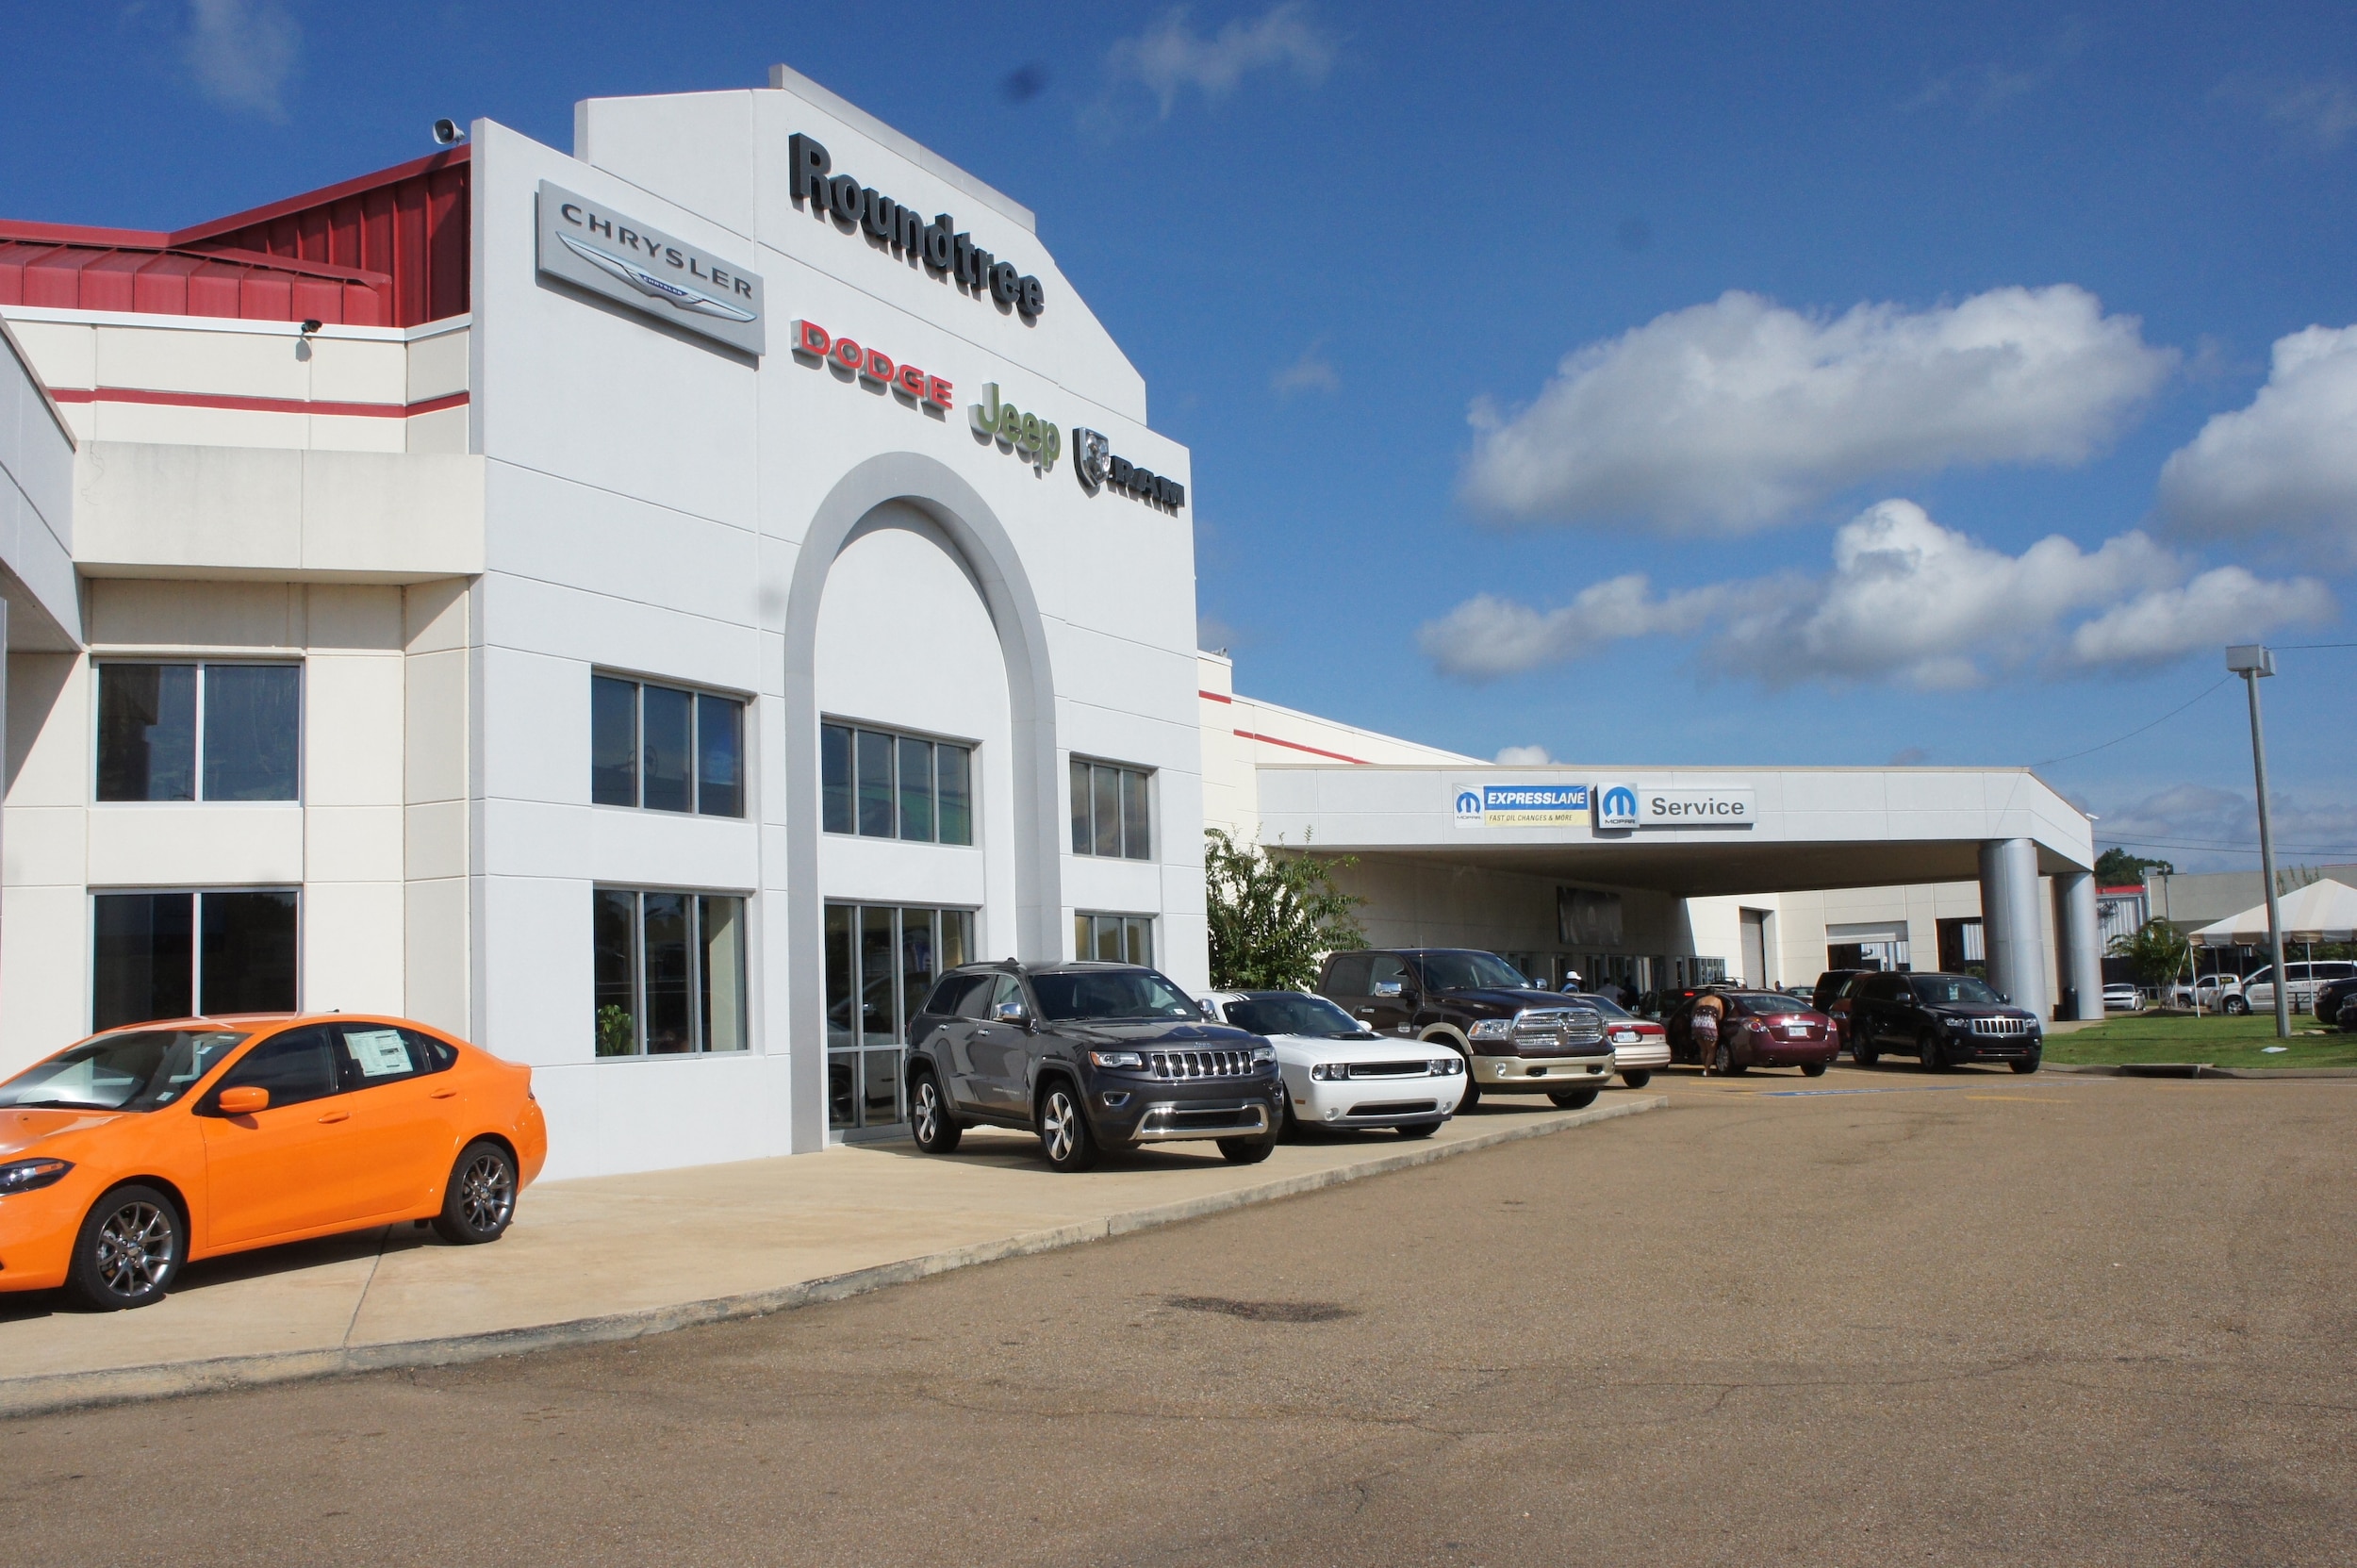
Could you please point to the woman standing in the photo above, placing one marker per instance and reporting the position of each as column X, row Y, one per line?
column 1702, row 1028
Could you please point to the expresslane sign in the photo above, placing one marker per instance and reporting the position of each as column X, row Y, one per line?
column 1524, row 805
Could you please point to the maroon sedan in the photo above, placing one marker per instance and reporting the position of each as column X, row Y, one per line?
column 1759, row 1029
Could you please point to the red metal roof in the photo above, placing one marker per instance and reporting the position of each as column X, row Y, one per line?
column 387, row 249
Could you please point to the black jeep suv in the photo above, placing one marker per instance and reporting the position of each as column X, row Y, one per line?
column 1091, row 1057
column 1514, row 1037
column 1940, row 1020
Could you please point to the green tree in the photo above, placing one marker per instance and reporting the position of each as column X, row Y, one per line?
column 1273, row 915
column 2156, row 951
column 2117, row 867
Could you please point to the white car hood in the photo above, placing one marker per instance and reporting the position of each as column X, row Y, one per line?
column 1307, row 1050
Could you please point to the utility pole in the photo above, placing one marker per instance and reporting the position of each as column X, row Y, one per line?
column 2252, row 661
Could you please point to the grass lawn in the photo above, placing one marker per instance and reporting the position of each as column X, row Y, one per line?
column 2221, row 1042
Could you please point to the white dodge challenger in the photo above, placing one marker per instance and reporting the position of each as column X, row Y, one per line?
column 1339, row 1073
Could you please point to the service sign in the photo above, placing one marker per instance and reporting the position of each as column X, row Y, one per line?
column 591, row 246
column 1624, row 806
column 1524, row 805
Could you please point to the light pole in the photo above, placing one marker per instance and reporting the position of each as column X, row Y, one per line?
column 2251, row 661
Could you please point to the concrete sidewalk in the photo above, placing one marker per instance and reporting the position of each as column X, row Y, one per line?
column 616, row 1257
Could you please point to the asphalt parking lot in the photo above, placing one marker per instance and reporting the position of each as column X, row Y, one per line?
column 1870, row 1318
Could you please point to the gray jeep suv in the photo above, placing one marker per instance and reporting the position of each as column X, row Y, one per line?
column 1090, row 1057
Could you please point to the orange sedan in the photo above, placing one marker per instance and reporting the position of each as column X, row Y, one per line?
column 124, row 1156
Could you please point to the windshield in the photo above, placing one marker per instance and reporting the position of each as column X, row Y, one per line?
column 1605, row 1005
column 1112, row 994
column 138, row 1070
column 1284, row 1014
column 1470, row 972
column 1940, row 989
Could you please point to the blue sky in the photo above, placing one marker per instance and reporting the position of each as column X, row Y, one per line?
column 1688, row 384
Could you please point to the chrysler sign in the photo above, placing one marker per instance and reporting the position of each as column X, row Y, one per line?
column 590, row 246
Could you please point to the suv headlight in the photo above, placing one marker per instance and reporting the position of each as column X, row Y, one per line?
column 1447, row 1066
column 1493, row 1029
column 25, row 1176
column 1117, row 1059
column 1263, row 1055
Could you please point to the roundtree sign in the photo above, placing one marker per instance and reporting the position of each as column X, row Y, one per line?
column 940, row 245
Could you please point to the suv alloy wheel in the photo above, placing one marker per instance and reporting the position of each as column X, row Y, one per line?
column 1927, row 1051
column 935, row 1129
column 1063, row 1128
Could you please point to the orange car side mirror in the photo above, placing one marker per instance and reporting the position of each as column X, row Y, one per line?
column 243, row 1101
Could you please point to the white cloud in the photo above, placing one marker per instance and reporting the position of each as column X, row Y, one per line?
column 1312, row 372
column 2317, row 114
column 2288, row 462
column 2218, row 607
column 2196, row 827
column 242, row 53
column 1728, row 416
column 1906, row 601
column 1486, row 637
column 1522, row 756
column 1171, row 57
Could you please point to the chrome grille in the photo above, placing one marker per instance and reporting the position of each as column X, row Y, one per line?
column 1177, row 1065
column 2001, row 1026
column 1564, row 1027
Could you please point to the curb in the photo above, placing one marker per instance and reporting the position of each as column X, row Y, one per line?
column 2193, row 1069
column 62, row 1391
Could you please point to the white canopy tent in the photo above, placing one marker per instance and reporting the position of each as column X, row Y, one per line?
column 2321, row 912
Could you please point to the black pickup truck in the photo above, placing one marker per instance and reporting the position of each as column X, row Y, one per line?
column 1516, row 1038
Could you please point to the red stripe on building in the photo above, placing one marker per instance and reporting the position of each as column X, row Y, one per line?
column 257, row 406
column 1214, row 696
column 1297, row 745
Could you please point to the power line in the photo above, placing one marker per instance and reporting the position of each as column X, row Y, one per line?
column 2137, row 730
column 2295, row 647
column 2251, row 848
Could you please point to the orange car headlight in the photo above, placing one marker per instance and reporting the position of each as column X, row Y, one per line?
column 25, row 1176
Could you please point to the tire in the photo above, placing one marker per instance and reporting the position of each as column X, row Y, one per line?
column 2236, row 1007
column 1418, row 1130
column 1064, row 1137
column 1864, row 1054
column 1572, row 1099
column 128, row 1251
column 1927, row 1051
column 1247, row 1151
column 1472, row 1087
column 2027, row 1065
column 936, row 1131
column 1724, row 1061
column 480, row 1202
column 1638, row 1079
column 1812, row 1069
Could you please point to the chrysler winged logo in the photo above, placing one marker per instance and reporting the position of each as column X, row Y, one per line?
column 663, row 288
column 1090, row 452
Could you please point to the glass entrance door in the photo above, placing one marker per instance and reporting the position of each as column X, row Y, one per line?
column 881, row 961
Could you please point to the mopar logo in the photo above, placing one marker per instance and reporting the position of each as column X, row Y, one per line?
column 1616, row 806
column 1468, row 809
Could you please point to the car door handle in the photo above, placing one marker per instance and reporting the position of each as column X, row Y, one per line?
column 441, row 1094
column 336, row 1116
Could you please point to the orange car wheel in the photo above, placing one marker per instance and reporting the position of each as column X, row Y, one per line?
column 481, row 1197
column 130, row 1247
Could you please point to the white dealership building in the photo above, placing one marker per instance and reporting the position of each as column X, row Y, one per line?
column 649, row 609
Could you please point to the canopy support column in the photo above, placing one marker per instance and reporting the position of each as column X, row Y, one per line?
column 2009, row 923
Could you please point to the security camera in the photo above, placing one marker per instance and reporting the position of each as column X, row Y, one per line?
column 447, row 133
column 310, row 325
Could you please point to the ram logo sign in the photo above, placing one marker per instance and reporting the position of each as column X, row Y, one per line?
column 1616, row 806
